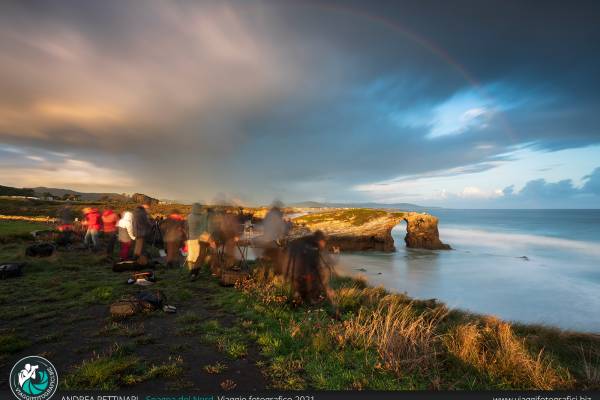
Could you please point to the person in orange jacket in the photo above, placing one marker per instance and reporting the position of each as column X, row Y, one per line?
column 109, row 229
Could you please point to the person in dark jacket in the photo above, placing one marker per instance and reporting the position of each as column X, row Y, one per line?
column 142, row 227
column 66, row 219
column 173, row 230
column 305, row 268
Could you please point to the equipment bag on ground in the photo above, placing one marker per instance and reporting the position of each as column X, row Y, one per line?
column 155, row 297
column 11, row 270
column 40, row 250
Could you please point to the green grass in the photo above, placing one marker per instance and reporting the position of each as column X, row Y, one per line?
column 12, row 343
column 118, row 369
column 12, row 228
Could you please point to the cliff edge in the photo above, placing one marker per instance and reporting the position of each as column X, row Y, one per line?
column 362, row 229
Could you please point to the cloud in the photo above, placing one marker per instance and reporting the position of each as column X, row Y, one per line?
column 71, row 173
column 592, row 184
column 560, row 194
column 468, row 110
column 564, row 189
column 188, row 99
column 539, row 188
column 472, row 192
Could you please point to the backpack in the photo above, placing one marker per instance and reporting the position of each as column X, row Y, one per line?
column 155, row 298
column 125, row 308
column 141, row 302
column 11, row 270
column 40, row 250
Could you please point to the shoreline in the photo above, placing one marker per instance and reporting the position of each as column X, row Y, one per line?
column 359, row 276
column 465, row 280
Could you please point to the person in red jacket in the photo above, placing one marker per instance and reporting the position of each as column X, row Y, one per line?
column 109, row 229
column 92, row 223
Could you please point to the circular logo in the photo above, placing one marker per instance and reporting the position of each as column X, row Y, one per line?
column 33, row 378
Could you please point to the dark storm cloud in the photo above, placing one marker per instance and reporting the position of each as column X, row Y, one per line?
column 302, row 100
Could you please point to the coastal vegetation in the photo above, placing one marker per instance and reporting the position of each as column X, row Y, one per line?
column 353, row 216
column 365, row 338
column 253, row 336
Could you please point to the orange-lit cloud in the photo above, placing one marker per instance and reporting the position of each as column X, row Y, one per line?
column 77, row 112
column 72, row 173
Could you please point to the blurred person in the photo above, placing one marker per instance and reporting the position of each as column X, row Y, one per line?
column 109, row 229
column 126, row 236
column 92, row 223
column 232, row 229
column 198, row 237
column 306, row 269
column 274, row 226
column 217, row 240
column 274, row 233
column 66, row 219
column 173, row 230
column 142, row 227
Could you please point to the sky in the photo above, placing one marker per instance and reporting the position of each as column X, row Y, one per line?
column 467, row 104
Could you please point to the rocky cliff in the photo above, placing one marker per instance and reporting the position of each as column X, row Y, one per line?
column 368, row 229
column 422, row 232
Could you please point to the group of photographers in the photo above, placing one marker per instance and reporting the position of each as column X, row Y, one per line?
column 202, row 233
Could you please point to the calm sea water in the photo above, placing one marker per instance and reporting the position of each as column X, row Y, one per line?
column 540, row 266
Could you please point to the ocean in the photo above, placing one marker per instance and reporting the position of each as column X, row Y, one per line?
column 531, row 266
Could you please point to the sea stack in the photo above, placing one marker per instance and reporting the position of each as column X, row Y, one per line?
column 422, row 232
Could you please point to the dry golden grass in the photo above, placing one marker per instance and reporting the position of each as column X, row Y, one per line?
column 590, row 360
column 27, row 218
column 405, row 340
column 494, row 350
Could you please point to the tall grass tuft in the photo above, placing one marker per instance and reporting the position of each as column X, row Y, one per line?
column 406, row 341
column 494, row 350
column 590, row 362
